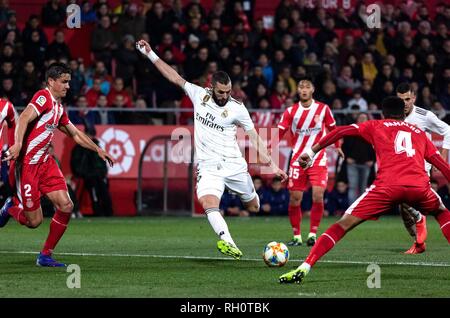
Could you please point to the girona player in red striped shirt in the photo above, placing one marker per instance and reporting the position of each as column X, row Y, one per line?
column 308, row 120
column 401, row 148
column 33, row 171
column 9, row 116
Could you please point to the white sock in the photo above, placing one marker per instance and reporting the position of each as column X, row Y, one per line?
column 415, row 214
column 305, row 266
column 219, row 225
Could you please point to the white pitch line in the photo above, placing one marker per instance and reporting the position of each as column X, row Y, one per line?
column 432, row 264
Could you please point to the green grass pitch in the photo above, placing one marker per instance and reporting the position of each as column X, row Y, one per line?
column 176, row 257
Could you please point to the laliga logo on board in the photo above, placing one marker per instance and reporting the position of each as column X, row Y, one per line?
column 118, row 144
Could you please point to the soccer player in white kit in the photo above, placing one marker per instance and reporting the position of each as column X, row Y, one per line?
column 414, row 221
column 220, row 163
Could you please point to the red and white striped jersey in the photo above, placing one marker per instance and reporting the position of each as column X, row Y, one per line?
column 307, row 126
column 7, row 114
column 39, row 134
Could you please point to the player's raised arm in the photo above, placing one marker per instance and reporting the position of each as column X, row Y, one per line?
column 260, row 146
column 168, row 72
column 432, row 156
column 439, row 127
column 26, row 117
column 83, row 140
column 332, row 137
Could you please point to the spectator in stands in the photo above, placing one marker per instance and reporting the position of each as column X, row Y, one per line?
column 106, row 117
column 94, row 92
column 289, row 81
column 346, row 83
column 341, row 119
column 118, row 88
column 231, row 205
column 267, row 69
column 157, row 17
column 77, row 81
column 368, row 68
column 337, row 199
column 325, row 34
column 120, row 117
column 89, row 167
column 444, row 97
column 100, row 72
column 83, row 115
column 360, row 158
column 131, row 22
column 11, row 25
column 386, row 74
column 141, row 117
column 127, row 60
column 275, row 199
column 58, row 48
column 328, row 92
column 4, row 9
column 258, row 183
column 238, row 93
column 10, row 91
column 7, row 70
column 279, row 96
column 29, row 81
column 196, row 67
column 167, row 43
column 53, row 13
column 102, row 9
column 88, row 14
column 33, row 24
column 103, row 41
column 358, row 100
column 34, row 50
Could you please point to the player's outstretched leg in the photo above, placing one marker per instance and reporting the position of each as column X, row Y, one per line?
column 58, row 226
column 295, row 217
column 443, row 219
column 316, row 214
column 416, row 225
column 325, row 243
column 226, row 244
column 4, row 214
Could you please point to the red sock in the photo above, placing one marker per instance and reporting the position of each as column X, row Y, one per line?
column 325, row 243
column 316, row 216
column 18, row 215
column 443, row 219
column 295, row 217
column 58, row 226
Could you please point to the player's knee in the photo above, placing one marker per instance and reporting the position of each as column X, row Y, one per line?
column 65, row 206
column 317, row 196
column 254, row 205
column 32, row 224
column 295, row 199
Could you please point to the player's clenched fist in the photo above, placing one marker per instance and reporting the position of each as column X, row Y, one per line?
column 305, row 160
column 105, row 156
column 143, row 47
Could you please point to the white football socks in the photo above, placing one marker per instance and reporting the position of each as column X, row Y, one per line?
column 219, row 225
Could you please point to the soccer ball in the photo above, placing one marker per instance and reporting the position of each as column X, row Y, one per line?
column 275, row 254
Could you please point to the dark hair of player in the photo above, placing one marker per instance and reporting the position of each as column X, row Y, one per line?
column 393, row 108
column 307, row 79
column 220, row 77
column 56, row 70
column 403, row 88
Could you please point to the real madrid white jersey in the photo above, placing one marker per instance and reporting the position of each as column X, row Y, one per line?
column 429, row 123
column 215, row 127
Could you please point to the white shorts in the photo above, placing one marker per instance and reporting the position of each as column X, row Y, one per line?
column 212, row 178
